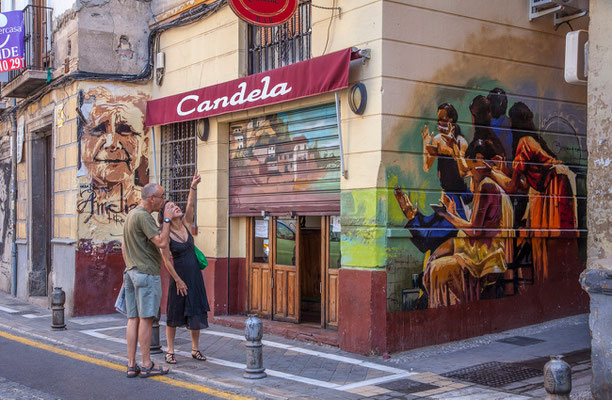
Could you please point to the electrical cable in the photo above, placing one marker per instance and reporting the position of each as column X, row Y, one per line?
column 188, row 17
column 332, row 8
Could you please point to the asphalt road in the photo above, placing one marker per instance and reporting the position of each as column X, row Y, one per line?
column 28, row 372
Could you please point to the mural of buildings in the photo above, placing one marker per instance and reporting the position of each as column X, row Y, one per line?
column 460, row 211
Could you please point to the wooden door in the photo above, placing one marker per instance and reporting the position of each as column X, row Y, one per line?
column 331, row 258
column 285, row 269
column 259, row 270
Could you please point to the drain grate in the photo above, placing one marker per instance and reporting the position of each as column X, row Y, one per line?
column 494, row 374
column 407, row 386
column 520, row 340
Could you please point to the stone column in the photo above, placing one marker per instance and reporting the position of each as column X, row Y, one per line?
column 597, row 278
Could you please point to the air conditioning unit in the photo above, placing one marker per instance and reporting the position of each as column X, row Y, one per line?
column 582, row 5
column 577, row 57
column 563, row 10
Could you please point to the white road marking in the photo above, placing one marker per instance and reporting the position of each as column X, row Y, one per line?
column 8, row 310
column 32, row 316
column 92, row 332
column 376, row 381
column 396, row 373
column 92, row 320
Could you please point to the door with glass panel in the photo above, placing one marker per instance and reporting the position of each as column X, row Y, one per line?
column 259, row 270
column 331, row 260
column 285, row 269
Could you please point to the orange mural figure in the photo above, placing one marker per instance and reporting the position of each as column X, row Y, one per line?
column 460, row 268
column 552, row 203
column 114, row 152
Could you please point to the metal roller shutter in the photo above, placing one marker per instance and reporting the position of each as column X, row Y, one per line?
column 286, row 163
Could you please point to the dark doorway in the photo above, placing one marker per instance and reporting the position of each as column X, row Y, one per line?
column 310, row 279
column 41, row 229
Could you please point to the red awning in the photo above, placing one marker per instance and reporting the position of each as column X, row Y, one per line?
column 307, row 78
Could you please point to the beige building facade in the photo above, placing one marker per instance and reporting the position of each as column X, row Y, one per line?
column 424, row 219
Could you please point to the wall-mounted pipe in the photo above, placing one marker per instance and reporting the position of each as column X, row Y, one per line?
column 339, row 122
column 14, row 200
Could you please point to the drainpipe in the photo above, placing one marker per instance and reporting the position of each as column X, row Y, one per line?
column 14, row 200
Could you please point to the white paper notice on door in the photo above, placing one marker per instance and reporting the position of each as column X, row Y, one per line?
column 261, row 228
column 335, row 223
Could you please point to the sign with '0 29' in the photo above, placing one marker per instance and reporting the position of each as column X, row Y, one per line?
column 12, row 33
column 264, row 12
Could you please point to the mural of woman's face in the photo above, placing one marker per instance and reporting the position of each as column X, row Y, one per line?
column 443, row 121
column 113, row 140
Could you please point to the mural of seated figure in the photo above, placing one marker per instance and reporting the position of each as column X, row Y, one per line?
column 448, row 147
column 458, row 270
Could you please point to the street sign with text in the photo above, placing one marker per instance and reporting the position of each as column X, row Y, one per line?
column 11, row 41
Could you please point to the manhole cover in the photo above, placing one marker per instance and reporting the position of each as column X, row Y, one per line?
column 520, row 340
column 494, row 374
column 407, row 386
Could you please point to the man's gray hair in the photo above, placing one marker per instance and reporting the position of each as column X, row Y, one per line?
column 149, row 190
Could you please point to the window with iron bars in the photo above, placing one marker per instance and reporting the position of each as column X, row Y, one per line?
column 178, row 160
column 276, row 46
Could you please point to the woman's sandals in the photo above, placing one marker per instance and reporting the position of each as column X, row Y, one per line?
column 197, row 355
column 170, row 358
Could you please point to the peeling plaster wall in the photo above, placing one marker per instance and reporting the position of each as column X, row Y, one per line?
column 597, row 278
column 6, row 232
column 599, row 139
column 112, row 35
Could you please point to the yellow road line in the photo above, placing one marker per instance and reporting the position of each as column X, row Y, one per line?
column 118, row 367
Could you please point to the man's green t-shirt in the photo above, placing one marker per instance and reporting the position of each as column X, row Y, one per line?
column 139, row 251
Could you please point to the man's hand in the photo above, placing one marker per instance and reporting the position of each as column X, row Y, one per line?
column 168, row 208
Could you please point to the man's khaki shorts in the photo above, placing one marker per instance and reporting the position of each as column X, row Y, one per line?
column 142, row 294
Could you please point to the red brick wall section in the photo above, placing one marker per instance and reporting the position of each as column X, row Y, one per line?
column 418, row 328
column 362, row 311
column 98, row 277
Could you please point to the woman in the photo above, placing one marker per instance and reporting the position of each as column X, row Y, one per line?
column 187, row 303
column 486, row 246
column 552, row 202
column 448, row 147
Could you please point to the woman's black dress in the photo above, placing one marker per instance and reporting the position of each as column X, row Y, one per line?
column 190, row 310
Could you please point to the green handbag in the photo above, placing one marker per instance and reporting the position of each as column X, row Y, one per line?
column 202, row 261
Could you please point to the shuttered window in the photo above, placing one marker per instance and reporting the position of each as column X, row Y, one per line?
column 286, row 162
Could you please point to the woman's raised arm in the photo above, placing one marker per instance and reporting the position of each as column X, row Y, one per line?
column 190, row 209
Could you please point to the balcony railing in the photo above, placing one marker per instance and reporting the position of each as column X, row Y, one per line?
column 38, row 30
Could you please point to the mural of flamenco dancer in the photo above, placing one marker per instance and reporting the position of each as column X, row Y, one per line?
column 448, row 146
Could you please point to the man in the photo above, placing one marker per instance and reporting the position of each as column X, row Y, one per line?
column 142, row 240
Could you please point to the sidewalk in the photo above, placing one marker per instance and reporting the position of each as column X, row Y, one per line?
column 501, row 366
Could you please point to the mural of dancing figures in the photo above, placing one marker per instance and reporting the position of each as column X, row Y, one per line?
column 507, row 217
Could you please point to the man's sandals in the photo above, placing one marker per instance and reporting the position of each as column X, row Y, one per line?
column 152, row 371
column 197, row 355
column 132, row 372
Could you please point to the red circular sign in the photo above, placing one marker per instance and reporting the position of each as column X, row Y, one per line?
column 264, row 12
